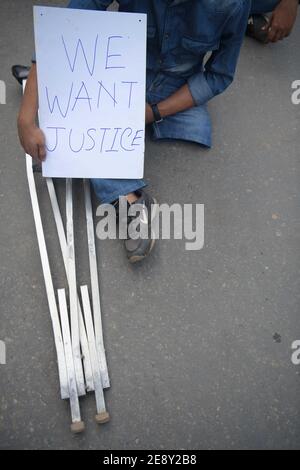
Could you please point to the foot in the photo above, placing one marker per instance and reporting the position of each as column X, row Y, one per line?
column 257, row 28
column 138, row 248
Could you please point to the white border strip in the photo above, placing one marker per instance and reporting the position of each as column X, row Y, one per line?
column 73, row 289
column 74, row 402
column 48, row 282
column 100, row 403
column 95, row 284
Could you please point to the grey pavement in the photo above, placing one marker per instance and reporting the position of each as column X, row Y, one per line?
column 198, row 342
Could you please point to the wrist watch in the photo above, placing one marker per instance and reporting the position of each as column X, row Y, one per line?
column 156, row 113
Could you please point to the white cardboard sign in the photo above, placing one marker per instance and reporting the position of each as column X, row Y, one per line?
column 91, row 82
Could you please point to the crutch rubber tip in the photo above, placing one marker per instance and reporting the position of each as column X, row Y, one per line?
column 102, row 418
column 77, row 427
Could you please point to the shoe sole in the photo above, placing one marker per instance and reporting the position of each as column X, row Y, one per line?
column 136, row 258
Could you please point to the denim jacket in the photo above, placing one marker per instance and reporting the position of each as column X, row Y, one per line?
column 181, row 32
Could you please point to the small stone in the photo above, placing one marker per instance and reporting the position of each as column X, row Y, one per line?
column 277, row 338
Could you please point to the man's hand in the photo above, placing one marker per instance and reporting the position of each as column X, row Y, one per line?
column 282, row 20
column 32, row 140
column 31, row 137
column 149, row 114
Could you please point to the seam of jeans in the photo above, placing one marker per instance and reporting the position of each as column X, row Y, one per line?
column 170, row 135
column 112, row 197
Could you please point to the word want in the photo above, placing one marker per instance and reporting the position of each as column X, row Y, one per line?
column 83, row 95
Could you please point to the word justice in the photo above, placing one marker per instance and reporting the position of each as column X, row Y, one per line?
column 103, row 139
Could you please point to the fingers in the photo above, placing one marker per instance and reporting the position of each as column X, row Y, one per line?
column 40, row 146
column 278, row 28
column 276, row 33
column 41, row 152
column 266, row 28
column 36, row 147
column 32, row 150
column 272, row 29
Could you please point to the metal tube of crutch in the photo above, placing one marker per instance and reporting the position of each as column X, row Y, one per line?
column 73, row 289
column 77, row 425
column 95, row 285
column 64, row 390
column 63, row 246
column 48, row 282
column 102, row 415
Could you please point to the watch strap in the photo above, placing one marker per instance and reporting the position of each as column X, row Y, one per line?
column 156, row 113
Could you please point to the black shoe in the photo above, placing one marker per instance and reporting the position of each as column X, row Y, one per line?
column 255, row 25
column 20, row 72
column 139, row 248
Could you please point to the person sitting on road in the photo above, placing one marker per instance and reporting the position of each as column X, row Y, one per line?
column 180, row 82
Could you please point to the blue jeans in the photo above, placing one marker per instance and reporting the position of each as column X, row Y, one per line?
column 263, row 6
column 191, row 125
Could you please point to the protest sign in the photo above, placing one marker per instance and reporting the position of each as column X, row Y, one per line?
column 91, row 69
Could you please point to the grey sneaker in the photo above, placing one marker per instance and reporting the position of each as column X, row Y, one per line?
column 140, row 243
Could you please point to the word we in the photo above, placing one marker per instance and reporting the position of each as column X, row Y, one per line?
column 168, row 222
column 2, row 92
column 296, row 354
column 296, row 94
column 2, row 353
column 105, row 59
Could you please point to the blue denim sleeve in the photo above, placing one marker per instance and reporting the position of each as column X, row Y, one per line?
column 219, row 70
column 90, row 4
